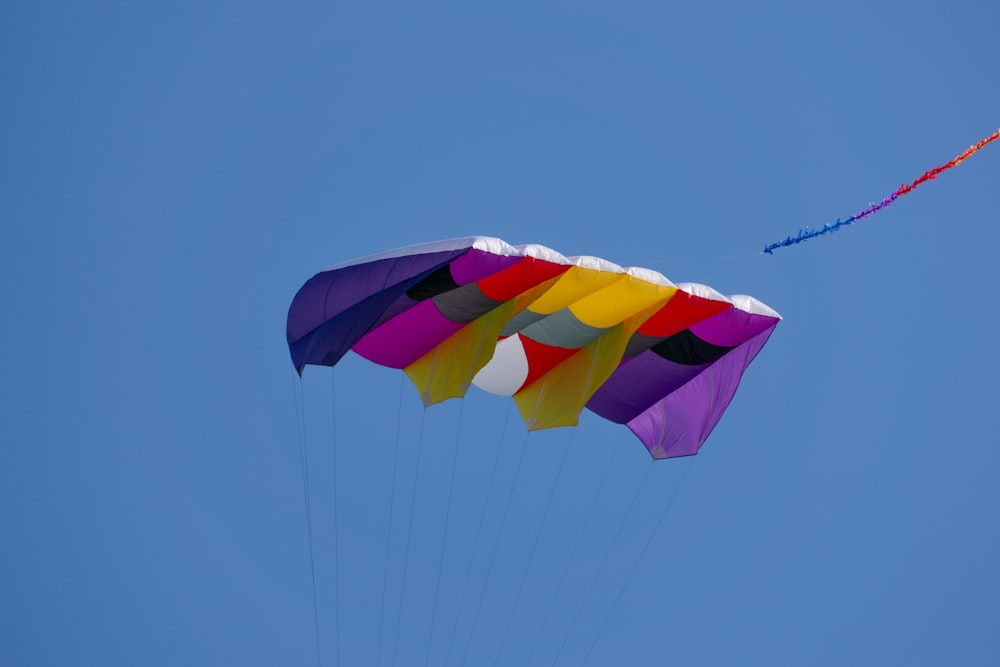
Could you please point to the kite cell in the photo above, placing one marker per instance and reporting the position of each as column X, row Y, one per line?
column 556, row 333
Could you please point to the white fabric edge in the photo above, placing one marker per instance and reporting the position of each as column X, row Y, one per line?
column 751, row 305
column 703, row 292
column 649, row 276
column 497, row 246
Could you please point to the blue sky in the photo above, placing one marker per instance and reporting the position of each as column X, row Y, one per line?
column 173, row 172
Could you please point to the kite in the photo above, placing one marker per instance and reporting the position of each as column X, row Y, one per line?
column 558, row 334
column 807, row 233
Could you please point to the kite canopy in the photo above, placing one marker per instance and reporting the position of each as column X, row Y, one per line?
column 556, row 333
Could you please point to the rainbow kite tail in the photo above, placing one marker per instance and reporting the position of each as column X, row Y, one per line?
column 807, row 233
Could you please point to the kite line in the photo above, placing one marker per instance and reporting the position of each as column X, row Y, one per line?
column 807, row 233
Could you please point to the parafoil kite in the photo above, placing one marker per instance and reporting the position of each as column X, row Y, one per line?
column 556, row 333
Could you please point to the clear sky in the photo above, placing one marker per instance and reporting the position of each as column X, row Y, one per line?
column 173, row 172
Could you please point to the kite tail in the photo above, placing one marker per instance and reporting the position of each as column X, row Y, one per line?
column 807, row 233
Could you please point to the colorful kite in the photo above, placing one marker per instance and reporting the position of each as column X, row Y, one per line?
column 556, row 333
column 807, row 233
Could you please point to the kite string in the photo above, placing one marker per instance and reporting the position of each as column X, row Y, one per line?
column 479, row 532
column 574, row 549
column 496, row 545
column 444, row 539
column 604, row 561
column 807, row 233
column 534, row 545
column 635, row 565
column 409, row 533
column 336, row 510
column 300, row 427
column 388, row 531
